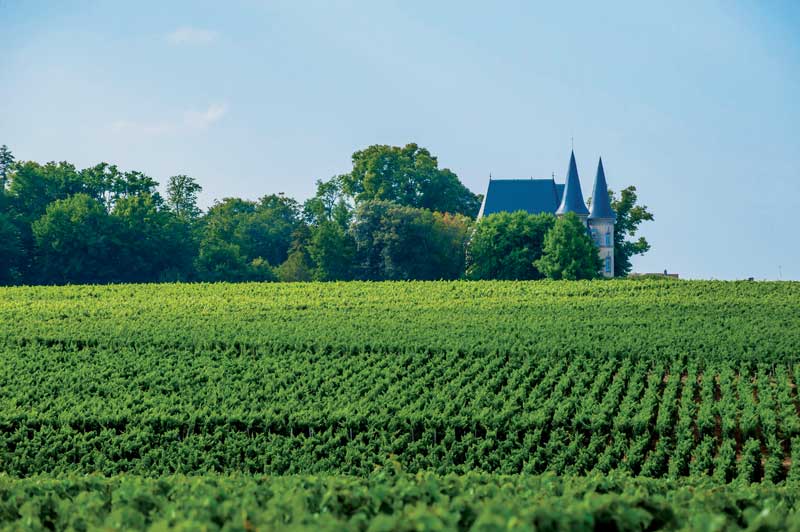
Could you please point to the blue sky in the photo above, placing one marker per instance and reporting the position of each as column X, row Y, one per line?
column 695, row 103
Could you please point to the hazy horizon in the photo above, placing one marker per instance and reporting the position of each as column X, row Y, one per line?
column 694, row 104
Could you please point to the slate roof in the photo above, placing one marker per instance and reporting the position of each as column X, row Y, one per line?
column 532, row 195
column 572, row 200
column 601, row 204
column 545, row 195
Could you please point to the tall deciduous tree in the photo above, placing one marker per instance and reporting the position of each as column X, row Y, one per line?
column 332, row 250
column 398, row 242
column 6, row 163
column 220, row 257
column 629, row 217
column 569, row 252
column 506, row 245
column 328, row 204
column 152, row 243
column 408, row 176
column 74, row 242
column 182, row 192
column 268, row 231
column 238, row 232
column 34, row 186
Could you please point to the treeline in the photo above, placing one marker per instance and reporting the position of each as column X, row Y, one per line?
column 395, row 216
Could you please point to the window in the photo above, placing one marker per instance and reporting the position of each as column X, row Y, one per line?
column 595, row 236
column 608, row 238
column 608, row 264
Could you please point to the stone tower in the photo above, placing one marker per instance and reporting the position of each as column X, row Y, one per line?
column 601, row 221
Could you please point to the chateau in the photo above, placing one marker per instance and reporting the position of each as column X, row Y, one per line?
column 545, row 195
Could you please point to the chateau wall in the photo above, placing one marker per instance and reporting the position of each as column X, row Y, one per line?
column 599, row 229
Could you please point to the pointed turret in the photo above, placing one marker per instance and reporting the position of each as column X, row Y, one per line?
column 601, row 203
column 572, row 201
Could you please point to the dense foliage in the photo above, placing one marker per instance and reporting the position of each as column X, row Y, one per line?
column 630, row 216
column 569, row 252
column 392, row 500
column 661, row 379
column 395, row 216
column 402, row 243
column 420, row 405
column 505, row 245
column 410, row 176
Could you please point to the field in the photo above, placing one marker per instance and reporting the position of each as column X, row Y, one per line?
column 401, row 405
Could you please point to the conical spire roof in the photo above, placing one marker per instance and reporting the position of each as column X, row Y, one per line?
column 601, row 203
column 572, row 200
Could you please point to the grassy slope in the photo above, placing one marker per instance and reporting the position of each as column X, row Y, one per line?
column 702, row 319
column 451, row 377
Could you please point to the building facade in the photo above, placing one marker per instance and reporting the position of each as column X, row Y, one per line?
column 545, row 195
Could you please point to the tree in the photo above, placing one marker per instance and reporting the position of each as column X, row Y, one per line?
column 408, row 176
column 10, row 251
column 6, row 164
column 34, row 186
column 267, row 231
column 329, row 204
column 99, row 182
column 332, row 250
column 451, row 234
column 220, row 257
column 296, row 268
column 152, row 243
column 399, row 242
column 260, row 270
column 74, row 241
column 219, row 260
column 569, row 252
column 182, row 193
column 238, row 232
column 133, row 183
column 629, row 217
column 365, row 229
column 506, row 245
column 224, row 217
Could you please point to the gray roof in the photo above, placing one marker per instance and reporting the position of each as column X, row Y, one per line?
column 601, row 203
column 532, row 195
column 572, row 200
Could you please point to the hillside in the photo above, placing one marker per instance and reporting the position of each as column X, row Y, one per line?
column 659, row 379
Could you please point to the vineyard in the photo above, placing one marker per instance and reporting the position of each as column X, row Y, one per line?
column 621, row 398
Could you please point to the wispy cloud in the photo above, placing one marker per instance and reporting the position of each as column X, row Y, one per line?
column 203, row 119
column 192, row 120
column 189, row 35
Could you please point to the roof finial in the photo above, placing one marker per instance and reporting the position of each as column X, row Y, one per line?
column 490, row 176
column 572, row 143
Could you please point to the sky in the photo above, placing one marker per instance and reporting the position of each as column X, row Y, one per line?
column 697, row 104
